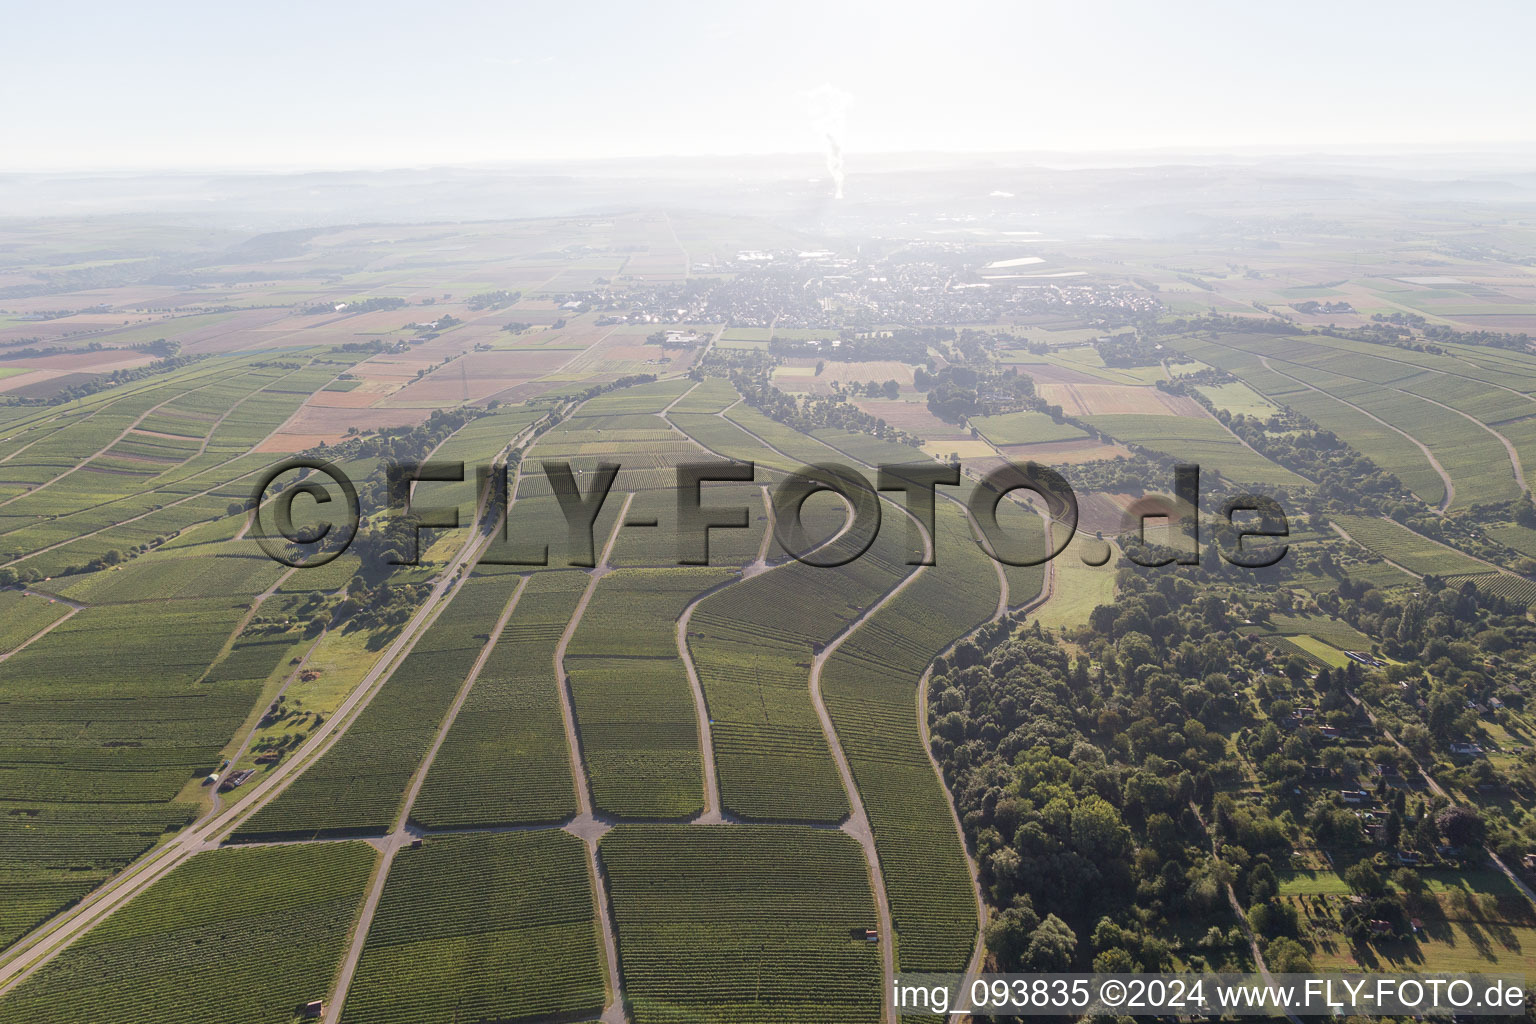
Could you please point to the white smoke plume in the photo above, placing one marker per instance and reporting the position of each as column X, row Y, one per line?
column 828, row 107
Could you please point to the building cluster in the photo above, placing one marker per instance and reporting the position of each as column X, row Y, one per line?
column 822, row 290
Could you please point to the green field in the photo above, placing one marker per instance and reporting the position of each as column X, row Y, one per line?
column 1204, row 442
column 742, row 922
column 633, row 704
column 482, row 927
column 1239, row 400
column 357, row 786
column 244, row 935
column 22, row 617
column 871, row 688
column 504, row 760
column 1024, row 428
column 1416, row 553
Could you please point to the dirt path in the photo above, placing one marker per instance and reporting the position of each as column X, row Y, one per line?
column 74, row 609
column 711, row 814
column 250, row 733
column 858, row 823
column 1434, row 463
column 1509, row 448
column 31, row 953
column 170, row 504
column 587, row 826
column 979, row 952
column 1242, row 919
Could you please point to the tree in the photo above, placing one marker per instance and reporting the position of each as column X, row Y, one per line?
column 1394, row 829
column 1365, row 879
column 1008, row 933
column 1461, row 826
column 1287, row 956
column 1051, row 947
column 1114, row 961
column 1097, row 831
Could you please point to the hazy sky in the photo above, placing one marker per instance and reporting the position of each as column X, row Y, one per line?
column 316, row 84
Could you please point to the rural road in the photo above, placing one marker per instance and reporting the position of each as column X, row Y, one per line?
column 586, row 826
column 1509, row 448
column 978, row 954
column 857, row 824
column 216, row 800
column 1418, row 576
column 130, row 428
column 221, row 485
column 1242, row 918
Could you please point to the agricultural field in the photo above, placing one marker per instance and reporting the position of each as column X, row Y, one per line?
column 1239, row 400
column 488, row 785
column 633, row 705
column 1204, row 442
column 1418, row 554
column 490, row 926
column 1417, row 414
column 356, row 788
column 742, row 922
column 504, row 761
column 1024, row 428
column 230, row 935
column 752, row 644
column 871, row 685
column 23, row 617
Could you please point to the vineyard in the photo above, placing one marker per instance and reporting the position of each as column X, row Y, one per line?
column 504, row 760
column 871, row 688
column 1204, row 442
column 1416, row 553
column 247, row 935
column 23, row 617
column 1388, row 402
column 741, row 922
column 481, row 928
column 634, row 709
column 752, row 644
column 356, row 787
